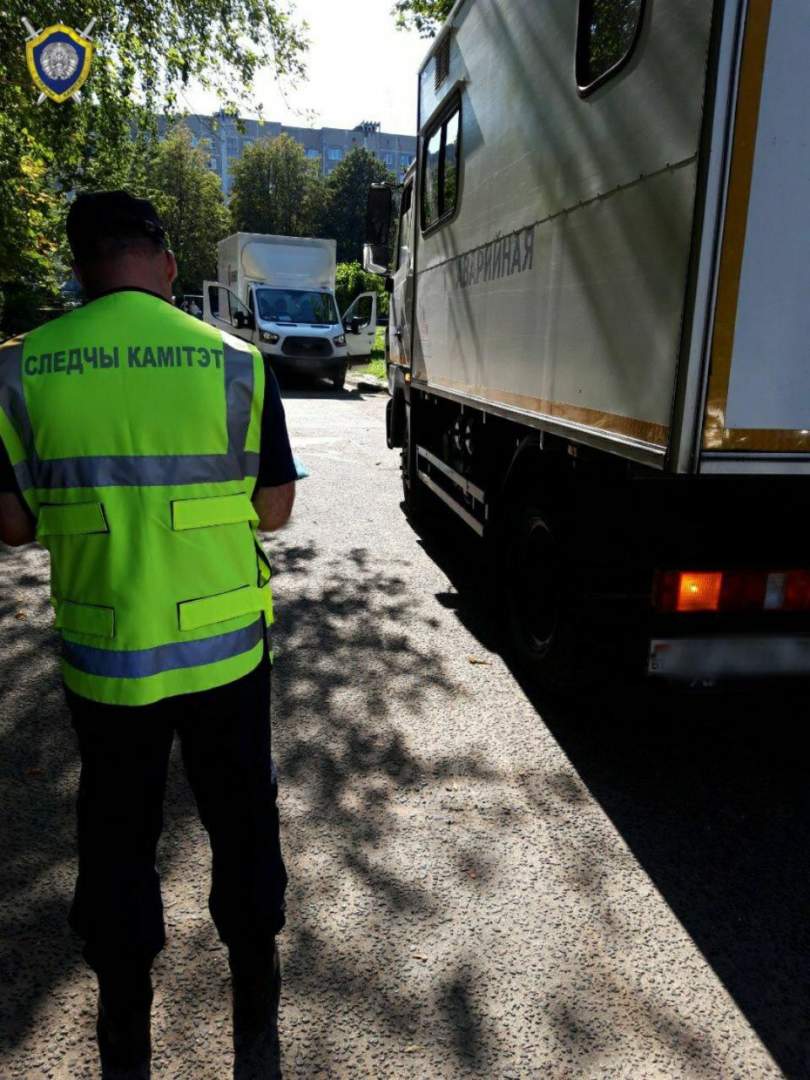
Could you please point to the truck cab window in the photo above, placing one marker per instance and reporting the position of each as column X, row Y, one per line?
column 240, row 317
column 606, row 36
column 296, row 306
column 215, row 292
column 440, row 170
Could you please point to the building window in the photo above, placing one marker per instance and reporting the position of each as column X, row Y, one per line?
column 334, row 153
column 606, row 37
column 387, row 157
column 313, row 154
column 441, row 168
column 233, row 146
column 405, row 160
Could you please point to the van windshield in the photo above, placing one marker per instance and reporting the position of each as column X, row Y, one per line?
column 297, row 306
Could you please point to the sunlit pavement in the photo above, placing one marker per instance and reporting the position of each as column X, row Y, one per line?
column 482, row 883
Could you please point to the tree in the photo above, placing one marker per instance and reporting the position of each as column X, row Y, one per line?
column 347, row 193
column 276, row 189
column 145, row 54
column 188, row 197
column 352, row 279
column 424, row 16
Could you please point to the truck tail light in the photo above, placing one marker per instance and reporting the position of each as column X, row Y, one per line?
column 699, row 592
column 797, row 591
column 743, row 590
column 731, row 591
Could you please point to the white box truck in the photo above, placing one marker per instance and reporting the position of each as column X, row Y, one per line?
column 599, row 339
column 279, row 293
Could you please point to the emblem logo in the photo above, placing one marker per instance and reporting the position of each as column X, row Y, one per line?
column 58, row 59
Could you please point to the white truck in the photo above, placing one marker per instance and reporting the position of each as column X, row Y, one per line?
column 279, row 293
column 599, row 339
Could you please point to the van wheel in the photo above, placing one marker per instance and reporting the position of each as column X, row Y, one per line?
column 546, row 636
column 339, row 378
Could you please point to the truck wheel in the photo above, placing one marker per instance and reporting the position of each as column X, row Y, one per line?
column 339, row 378
column 413, row 492
column 547, row 638
column 395, row 421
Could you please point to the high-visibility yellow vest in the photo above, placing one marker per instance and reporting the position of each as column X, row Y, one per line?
column 134, row 431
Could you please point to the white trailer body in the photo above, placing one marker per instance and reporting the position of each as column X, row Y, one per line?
column 288, row 262
column 603, row 257
column 558, row 287
column 279, row 293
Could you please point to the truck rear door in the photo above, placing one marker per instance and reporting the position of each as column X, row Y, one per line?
column 757, row 415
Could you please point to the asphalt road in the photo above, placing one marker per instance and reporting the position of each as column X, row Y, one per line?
column 483, row 883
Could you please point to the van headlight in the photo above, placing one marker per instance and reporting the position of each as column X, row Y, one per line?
column 271, row 339
column 340, row 340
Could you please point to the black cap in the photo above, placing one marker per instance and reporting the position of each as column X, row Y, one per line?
column 110, row 215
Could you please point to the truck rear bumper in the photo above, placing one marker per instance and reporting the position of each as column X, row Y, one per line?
column 706, row 659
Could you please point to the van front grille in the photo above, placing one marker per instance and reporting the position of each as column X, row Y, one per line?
column 306, row 346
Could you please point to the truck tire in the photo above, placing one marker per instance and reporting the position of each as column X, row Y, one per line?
column 396, row 421
column 546, row 636
column 339, row 378
column 414, row 493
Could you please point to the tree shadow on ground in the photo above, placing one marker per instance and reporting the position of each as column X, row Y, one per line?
column 709, row 791
column 708, row 794
column 38, row 769
column 348, row 661
column 351, row 660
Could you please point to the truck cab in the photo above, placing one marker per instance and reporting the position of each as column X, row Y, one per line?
column 278, row 292
column 400, row 280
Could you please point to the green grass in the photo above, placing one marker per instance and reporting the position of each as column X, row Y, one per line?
column 377, row 365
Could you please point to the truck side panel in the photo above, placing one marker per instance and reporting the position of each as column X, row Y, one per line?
column 759, row 387
column 558, row 288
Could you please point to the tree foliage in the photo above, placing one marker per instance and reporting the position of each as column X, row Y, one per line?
column 424, row 16
column 188, row 197
column 276, row 189
column 352, row 280
column 146, row 53
column 347, row 193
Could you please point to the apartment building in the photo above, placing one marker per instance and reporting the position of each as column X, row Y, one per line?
column 228, row 137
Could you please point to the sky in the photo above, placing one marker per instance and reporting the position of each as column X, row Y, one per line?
column 360, row 68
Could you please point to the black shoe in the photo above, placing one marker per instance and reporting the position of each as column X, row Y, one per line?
column 123, row 1028
column 256, row 984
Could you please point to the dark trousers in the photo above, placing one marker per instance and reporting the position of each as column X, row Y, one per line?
column 225, row 738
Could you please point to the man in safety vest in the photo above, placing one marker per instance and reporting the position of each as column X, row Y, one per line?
column 143, row 448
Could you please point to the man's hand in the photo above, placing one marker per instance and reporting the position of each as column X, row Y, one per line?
column 16, row 527
column 274, row 506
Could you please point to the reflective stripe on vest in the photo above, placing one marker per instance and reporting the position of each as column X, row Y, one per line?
column 142, row 470
column 12, row 404
column 141, row 663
